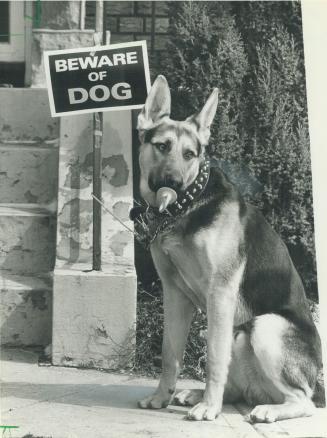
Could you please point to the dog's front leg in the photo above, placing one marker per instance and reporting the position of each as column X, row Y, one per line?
column 178, row 313
column 220, row 312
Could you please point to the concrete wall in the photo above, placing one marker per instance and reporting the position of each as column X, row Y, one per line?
column 74, row 243
column 59, row 15
column 94, row 313
column 58, row 27
column 94, row 318
column 49, row 39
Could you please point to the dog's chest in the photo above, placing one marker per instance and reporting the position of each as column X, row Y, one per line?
column 203, row 257
column 181, row 254
column 188, row 272
column 195, row 271
column 198, row 258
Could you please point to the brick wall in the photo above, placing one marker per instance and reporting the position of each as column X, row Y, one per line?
column 131, row 21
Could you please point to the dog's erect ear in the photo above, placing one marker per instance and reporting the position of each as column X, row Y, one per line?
column 157, row 105
column 204, row 118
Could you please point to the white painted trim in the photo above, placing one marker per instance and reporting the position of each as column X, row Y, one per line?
column 82, row 14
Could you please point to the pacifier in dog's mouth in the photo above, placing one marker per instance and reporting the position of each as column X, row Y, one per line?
column 165, row 196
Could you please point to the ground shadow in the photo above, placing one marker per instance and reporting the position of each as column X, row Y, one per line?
column 121, row 396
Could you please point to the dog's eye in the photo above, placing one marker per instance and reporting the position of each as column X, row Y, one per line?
column 188, row 155
column 162, row 147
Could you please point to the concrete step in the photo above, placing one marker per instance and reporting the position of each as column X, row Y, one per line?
column 25, row 309
column 29, row 150
column 28, row 171
column 27, row 238
column 26, row 115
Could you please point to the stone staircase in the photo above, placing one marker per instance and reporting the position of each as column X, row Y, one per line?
column 29, row 149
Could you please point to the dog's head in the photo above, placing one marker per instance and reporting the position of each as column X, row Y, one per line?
column 171, row 152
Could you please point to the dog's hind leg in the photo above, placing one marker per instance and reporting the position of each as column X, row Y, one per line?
column 274, row 367
column 178, row 314
column 293, row 407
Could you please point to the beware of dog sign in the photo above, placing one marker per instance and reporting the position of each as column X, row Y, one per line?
column 93, row 79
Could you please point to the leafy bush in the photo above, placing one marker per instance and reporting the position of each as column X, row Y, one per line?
column 278, row 151
column 205, row 53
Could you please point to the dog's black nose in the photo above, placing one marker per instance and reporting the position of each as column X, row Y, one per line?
column 168, row 181
column 173, row 182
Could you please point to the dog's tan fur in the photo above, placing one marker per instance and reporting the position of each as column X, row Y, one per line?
column 205, row 269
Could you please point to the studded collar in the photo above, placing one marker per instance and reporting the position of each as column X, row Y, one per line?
column 193, row 192
column 149, row 222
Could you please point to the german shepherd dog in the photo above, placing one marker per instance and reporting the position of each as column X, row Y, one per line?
column 223, row 257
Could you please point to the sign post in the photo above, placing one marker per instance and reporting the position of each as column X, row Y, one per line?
column 100, row 27
column 97, row 189
column 92, row 80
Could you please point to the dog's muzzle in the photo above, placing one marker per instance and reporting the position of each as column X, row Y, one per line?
column 173, row 182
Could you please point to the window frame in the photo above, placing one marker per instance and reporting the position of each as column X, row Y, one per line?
column 14, row 50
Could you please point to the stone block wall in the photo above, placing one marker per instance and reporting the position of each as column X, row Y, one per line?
column 131, row 21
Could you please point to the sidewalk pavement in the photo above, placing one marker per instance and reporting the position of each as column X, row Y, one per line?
column 62, row 402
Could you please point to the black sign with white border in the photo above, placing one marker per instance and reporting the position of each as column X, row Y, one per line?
column 101, row 78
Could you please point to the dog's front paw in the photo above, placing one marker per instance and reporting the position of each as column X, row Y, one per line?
column 154, row 401
column 203, row 411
